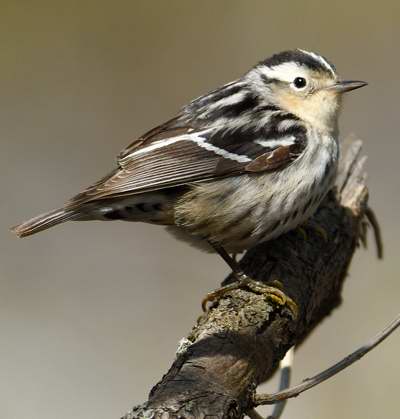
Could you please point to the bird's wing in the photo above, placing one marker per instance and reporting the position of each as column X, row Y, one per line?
column 172, row 155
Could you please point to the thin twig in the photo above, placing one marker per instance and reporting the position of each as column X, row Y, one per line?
column 371, row 217
column 285, row 368
column 308, row 383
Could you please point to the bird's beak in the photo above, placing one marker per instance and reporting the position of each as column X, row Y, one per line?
column 346, row 86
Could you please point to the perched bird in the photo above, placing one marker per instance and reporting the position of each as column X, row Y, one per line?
column 240, row 165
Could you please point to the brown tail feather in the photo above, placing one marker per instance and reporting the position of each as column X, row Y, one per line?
column 43, row 222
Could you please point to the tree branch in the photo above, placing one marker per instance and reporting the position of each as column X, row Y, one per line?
column 239, row 342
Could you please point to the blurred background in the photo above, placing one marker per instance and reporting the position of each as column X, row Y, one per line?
column 91, row 313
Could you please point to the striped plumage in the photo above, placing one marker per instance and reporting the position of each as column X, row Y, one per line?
column 240, row 212
column 239, row 165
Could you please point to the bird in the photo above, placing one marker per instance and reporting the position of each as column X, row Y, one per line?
column 240, row 165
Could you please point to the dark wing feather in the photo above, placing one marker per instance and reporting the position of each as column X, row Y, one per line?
column 189, row 155
column 176, row 164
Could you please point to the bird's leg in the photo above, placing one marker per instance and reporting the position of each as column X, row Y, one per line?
column 273, row 291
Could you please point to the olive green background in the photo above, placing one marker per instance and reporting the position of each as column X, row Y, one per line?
column 91, row 313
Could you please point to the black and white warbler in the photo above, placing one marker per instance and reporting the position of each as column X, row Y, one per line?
column 237, row 166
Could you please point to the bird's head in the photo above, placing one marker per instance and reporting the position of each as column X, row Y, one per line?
column 303, row 83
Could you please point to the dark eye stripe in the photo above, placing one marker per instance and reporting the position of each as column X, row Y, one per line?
column 269, row 80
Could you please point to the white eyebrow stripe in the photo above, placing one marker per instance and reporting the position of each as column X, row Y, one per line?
column 277, row 142
column 320, row 59
column 285, row 72
column 196, row 137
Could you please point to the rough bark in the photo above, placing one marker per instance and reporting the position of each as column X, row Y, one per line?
column 238, row 343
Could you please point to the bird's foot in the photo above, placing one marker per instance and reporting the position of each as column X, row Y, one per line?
column 312, row 225
column 302, row 231
column 319, row 230
column 272, row 291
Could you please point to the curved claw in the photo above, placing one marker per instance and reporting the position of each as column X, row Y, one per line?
column 273, row 292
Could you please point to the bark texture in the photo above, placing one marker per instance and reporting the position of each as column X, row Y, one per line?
column 239, row 342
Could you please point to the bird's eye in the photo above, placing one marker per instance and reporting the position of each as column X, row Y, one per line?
column 299, row 82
